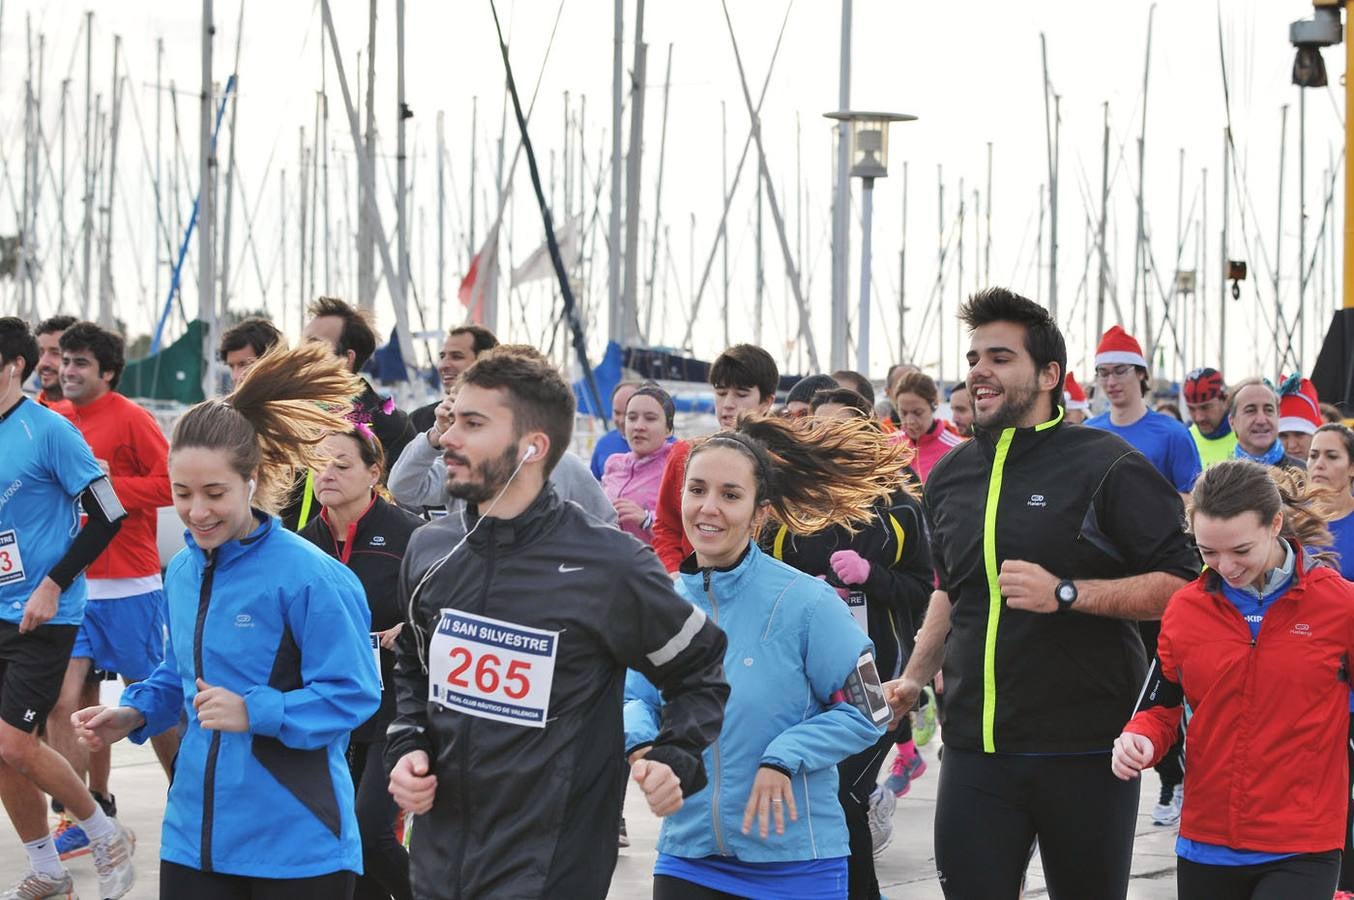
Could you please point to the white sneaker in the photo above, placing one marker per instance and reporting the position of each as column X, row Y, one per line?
column 113, row 862
column 1168, row 812
column 36, row 886
column 882, row 805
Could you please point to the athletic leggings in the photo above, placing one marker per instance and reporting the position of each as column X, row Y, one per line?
column 385, row 862
column 990, row 808
column 1347, row 860
column 666, row 887
column 178, row 882
column 1311, row 876
column 856, row 777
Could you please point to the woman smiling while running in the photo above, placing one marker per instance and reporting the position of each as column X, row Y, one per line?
column 268, row 656
column 805, row 693
column 1259, row 647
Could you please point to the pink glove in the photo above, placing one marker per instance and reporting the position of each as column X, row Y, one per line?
column 850, row 566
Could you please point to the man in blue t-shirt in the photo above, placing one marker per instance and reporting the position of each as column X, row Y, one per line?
column 47, row 474
column 1121, row 372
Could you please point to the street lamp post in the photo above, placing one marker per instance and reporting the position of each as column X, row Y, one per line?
column 869, row 160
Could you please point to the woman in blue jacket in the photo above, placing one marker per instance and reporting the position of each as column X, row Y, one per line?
column 805, row 690
column 268, row 653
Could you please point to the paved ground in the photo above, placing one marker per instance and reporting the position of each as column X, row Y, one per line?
column 906, row 871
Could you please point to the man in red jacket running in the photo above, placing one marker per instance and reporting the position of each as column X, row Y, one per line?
column 745, row 378
column 123, row 629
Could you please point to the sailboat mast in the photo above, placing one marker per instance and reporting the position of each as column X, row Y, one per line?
column 207, row 212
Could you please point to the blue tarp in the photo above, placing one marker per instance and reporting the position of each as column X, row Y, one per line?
column 387, row 363
column 607, row 374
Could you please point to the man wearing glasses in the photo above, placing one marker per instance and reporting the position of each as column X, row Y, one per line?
column 1121, row 372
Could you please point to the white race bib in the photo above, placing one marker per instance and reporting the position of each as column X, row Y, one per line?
column 492, row 669
column 860, row 611
column 376, row 654
column 11, row 563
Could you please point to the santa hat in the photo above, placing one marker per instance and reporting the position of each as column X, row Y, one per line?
column 1299, row 405
column 1118, row 348
column 1073, row 396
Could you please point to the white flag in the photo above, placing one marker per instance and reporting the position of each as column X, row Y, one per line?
column 538, row 264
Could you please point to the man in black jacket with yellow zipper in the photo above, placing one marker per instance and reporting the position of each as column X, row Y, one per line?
column 1049, row 541
column 508, row 740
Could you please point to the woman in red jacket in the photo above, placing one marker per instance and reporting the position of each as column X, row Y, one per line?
column 1259, row 646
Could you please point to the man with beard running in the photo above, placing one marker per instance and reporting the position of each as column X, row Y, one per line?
column 1205, row 396
column 507, row 742
column 1034, row 618
column 49, row 333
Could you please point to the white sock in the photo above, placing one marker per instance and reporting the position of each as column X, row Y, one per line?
column 43, row 858
column 97, row 825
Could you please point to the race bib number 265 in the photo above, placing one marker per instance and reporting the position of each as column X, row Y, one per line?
column 492, row 669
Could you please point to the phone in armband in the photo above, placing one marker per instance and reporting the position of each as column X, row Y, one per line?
column 865, row 692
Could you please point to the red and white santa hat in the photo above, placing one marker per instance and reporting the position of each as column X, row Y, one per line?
column 1073, row 396
column 1299, row 405
column 1119, row 348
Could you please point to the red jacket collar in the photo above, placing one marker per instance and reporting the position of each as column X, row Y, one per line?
column 352, row 530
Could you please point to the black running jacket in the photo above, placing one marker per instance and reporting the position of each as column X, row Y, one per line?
column 527, row 811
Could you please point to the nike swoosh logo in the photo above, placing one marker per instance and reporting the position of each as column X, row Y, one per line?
column 566, row 569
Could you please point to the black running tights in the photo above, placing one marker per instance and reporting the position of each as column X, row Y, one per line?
column 385, row 862
column 991, row 807
column 856, row 777
column 666, row 887
column 178, row 882
column 1310, row 876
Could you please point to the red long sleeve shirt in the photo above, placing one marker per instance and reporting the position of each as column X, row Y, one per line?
column 130, row 441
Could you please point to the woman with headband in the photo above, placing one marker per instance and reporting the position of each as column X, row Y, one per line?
column 631, row 479
column 360, row 528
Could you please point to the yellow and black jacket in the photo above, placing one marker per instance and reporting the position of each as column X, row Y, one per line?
column 1082, row 504
column 895, row 544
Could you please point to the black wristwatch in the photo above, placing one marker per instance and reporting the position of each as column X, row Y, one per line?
column 1066, row 594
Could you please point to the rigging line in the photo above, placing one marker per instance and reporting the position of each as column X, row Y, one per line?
column 580, row 341
column 737, row 175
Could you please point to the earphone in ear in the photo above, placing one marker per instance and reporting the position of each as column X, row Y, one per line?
column 529, row 452
column 252, row 485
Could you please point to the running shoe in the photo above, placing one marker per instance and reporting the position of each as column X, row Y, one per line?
column 40, row 887
column 924, row 718
column 1167, row 810
column 108, row 803
column 882, row 805
column 623, row 839
column 113, row 862
column 71, row 840
column 903, row 772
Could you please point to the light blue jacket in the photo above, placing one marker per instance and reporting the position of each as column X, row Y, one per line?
column 275, row 620
column 792, row 645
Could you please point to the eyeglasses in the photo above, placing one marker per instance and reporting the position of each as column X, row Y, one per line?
column 1107, row 372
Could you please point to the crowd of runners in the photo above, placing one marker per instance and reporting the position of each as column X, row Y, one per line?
column 425, row 654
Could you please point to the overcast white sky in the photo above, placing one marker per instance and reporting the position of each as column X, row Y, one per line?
column 972, row 74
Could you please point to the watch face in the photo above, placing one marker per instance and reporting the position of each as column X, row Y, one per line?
column 1067, row 593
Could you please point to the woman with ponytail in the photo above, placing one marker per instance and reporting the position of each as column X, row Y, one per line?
column 805, row 689
column 268, row 654
column 1259, row 647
